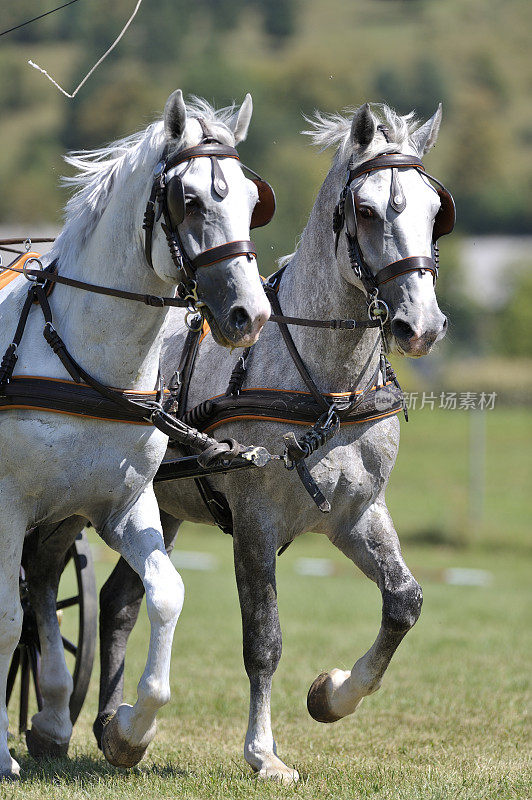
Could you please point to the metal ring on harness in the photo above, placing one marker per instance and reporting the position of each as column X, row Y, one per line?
column 374, row 311
column 31, row 278
column 195, row 317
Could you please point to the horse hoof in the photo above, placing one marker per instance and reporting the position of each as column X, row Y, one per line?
column 117, row 750
column 285, row 776
column 318, row 703
column 99, row 724
column 40, row 746
column 10, row 774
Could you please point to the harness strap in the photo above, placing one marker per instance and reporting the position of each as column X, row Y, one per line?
column 294, row 354
column 147, row 299
column 405, row 265
column 223, row 251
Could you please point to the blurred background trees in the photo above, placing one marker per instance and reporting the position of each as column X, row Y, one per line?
column 294, row 57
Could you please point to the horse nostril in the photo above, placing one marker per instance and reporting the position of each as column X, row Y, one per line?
column 402, row 330
column 240, row 319
column 445, row 324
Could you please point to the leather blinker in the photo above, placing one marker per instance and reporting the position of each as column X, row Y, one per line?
column 175, row 199
column 350, row 213
column 446, row 216
column 265, row 206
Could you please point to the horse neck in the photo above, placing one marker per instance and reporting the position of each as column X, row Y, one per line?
column 312, row 287
column 118, row 341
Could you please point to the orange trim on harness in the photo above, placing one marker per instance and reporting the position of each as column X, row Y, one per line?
column 294, row 421
column 8, row 276
column 74, row 414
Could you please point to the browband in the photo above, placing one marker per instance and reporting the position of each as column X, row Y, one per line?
column 208, row 149
column 385, row 161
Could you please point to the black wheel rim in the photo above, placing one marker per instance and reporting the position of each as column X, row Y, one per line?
column 26, row 658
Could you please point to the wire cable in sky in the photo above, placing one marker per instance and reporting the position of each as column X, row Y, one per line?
column 87, row 76
column 52, row 11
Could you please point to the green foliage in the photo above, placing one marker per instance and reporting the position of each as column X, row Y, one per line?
column 513, row 332
column 293, row 57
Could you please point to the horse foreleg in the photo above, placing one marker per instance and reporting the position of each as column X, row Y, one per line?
column 254, row 554
column 12, row 529
column 137, row 537
column 120, row 601
column 374, row 547
column 51, row 728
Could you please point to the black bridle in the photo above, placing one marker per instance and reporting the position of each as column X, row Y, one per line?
column 345, row 215
column 167, row 199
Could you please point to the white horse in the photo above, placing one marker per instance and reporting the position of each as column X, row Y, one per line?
column 53, row 466
column 270, row 507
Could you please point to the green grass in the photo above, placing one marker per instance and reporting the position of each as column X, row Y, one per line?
column 451, row 718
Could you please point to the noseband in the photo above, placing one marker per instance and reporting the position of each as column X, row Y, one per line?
column 345, row 215
column 167, row 199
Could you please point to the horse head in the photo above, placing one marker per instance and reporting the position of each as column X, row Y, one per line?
column 205, row 205
column 393, row 217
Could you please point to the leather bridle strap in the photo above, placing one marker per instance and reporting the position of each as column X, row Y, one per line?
column 402, row 267
column 272, row 286
column 224, row 251
column 207, row 149
column 292, row 349
column 385, row 161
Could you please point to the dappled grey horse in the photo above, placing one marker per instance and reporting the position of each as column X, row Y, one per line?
column 56, row 465
column 270, row 508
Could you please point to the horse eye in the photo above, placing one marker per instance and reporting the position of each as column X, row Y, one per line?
column 366, row 213
column 194, row 206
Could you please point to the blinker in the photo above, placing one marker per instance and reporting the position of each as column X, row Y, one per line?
column 350, row 213
column 265, row 206
column 175, row 199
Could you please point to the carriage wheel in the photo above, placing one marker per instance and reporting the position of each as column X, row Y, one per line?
column 79, row 648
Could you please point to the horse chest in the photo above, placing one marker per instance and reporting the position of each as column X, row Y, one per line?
column 59, row 465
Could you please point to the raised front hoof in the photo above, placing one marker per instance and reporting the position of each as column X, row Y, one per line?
column 318, row 699
column 117, row 750
column 41, row 746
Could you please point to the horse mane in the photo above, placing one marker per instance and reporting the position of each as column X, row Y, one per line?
column 102, row 170
column 334, row 130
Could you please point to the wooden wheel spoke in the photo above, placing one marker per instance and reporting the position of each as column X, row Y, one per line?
column 69, row 646
column 68, row 602
column 12, row 674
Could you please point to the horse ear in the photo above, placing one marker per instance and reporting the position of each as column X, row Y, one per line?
column 175, row 115
column 239, row 122
column 425, row 136
column 363, row 126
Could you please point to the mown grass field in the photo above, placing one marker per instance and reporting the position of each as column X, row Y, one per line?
column 450, row 720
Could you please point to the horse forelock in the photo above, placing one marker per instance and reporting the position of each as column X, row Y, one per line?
column 334, row 130
column 104, row 170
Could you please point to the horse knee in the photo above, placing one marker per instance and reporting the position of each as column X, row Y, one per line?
column 262, row 649
column 165, row 597
column 10, row 626
column 401, row 607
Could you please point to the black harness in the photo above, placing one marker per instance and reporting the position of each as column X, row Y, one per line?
column 381, row 397
column 167, row 199
column 87, row 396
